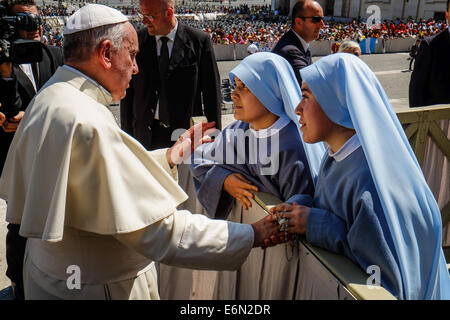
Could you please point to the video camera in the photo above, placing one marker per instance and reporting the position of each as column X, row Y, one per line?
column 18, row 50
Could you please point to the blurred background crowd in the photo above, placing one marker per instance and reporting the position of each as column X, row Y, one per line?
column 263, row 26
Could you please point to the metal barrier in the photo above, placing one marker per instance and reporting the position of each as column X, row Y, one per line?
column 428, row 131
column 300, row 272
column 231, row 52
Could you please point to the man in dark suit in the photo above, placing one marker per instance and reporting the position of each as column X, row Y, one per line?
column 430, row 80
column 177, row 73
column 307, row 20
column 18, row 85
column 413, row 53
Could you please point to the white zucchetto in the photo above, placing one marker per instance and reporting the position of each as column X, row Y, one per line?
column 92, row 16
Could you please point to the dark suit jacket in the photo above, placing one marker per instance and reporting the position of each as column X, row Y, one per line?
column 192, row 77
column 25, row 91
column 23, row 94
column 290, row 48
column 430, row 80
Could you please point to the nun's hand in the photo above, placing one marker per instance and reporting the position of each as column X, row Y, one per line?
column 238, row 187
column 295, row 216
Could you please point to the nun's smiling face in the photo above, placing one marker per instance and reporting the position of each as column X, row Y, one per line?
column 315, row 125
column 248, row 108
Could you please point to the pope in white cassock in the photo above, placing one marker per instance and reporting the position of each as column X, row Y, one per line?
column 90, row 198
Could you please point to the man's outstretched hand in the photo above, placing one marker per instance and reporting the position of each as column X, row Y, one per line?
column 189, row 141
column 267, row 232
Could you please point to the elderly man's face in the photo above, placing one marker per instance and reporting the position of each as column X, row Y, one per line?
column 306, row 28
column 123, row 64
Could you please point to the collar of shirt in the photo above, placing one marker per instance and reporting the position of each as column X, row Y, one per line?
column 171, row 35
column 272, row 130
column 304, row 43
column 347, row 149
column 28, row 70
column 105, row 93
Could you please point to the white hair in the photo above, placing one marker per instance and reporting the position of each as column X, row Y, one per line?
column 348, row 44
column 79, row 46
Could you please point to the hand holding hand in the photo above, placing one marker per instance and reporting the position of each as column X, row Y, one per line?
column 267, row 232
column 11, row 124
column 238, row 187
column 295, row 214
column 189, row 141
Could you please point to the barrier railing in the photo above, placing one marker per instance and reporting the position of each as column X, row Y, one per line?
column 428, row 132
column 229, row 52
column 322, row 274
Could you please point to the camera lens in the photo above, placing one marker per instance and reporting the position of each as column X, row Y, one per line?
column 28, row 22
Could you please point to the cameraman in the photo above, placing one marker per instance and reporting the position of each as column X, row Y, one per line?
column 25, row 80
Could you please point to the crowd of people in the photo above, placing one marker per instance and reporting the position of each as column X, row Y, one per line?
column 386, row 30
column 53, row 38
column 241, row 24
column 51, row 10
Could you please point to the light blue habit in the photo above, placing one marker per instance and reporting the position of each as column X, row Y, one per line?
column 270, row 78
column 351, row 96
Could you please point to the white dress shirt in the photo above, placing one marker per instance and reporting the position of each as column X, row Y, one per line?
column 28, row 70
column 347, row 149
column 304, row 43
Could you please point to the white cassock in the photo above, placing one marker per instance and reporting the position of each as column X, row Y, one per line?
column 89, row 197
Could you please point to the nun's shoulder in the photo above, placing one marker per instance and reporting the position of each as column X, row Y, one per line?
column 237, row 125
column 358, row 168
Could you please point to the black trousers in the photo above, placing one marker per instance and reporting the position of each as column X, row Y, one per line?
column 15, row 252
column 15, row 244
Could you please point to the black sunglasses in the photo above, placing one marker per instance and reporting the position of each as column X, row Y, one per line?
column 315, row 19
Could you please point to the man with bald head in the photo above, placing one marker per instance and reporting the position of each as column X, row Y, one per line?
column 307, row 20
column 178, row 78
column 96, row 207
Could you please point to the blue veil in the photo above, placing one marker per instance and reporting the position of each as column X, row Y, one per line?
column 351, row 96
column 271, row 79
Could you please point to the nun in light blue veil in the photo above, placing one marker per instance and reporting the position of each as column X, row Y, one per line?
column 271, row 79
column 351, row 96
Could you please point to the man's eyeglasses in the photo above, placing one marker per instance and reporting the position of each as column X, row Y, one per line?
column 315, row 19
column 149, row 17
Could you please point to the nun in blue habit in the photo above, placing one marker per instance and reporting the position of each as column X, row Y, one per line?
column 272, row 157
column 371, row 201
